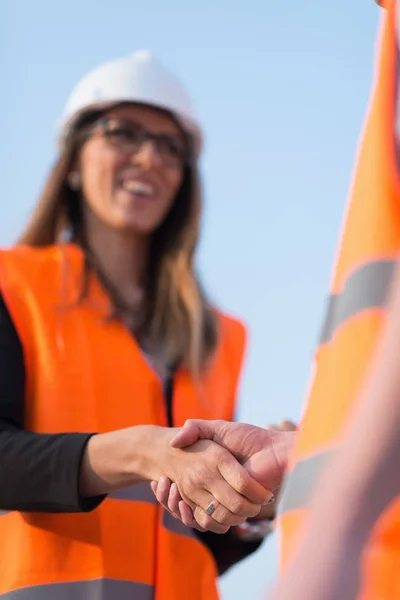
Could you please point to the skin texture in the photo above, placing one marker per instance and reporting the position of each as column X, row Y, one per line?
column 103, row 169
column 119, row 225
column 263, row 452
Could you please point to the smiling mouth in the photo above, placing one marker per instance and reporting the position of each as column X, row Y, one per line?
column 138, row 188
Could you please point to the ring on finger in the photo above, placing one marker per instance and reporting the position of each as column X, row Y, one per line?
column 212, row 507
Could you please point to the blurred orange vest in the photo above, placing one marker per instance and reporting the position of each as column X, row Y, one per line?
column 368, row 253
column 85, row 374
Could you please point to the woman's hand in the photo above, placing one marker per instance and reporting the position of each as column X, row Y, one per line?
column 201, row 473
column 167, row 493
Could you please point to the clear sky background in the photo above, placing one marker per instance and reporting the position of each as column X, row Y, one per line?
column 281, row 88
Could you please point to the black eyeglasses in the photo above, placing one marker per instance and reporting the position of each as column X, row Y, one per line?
column 128, row 138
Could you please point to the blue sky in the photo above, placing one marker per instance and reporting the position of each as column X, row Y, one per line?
column 281, row 88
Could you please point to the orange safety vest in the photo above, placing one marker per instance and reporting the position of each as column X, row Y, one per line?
column 86, row 373
column 368, row 252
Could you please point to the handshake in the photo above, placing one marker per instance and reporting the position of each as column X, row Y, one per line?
column 238, row 493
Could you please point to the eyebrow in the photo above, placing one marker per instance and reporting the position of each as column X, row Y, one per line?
column 177, row 134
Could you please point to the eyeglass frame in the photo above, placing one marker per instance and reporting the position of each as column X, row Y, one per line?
column 100, row 125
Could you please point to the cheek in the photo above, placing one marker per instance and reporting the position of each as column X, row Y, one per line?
column 97, row 171
column 173, row 182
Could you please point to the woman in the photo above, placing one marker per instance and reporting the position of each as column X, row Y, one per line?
column 108, row 341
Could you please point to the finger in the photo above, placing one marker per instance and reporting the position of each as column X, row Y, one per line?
column 272, row 427
column 282, row 445
column 162, row 491
column 243, row 483
column 153, row 485
column 283, row 426
column 221, row 519
column 208, row 522
column 187, row 517
column 193, row 430
column 287, row 426
column 173, row 501
column 232, row 508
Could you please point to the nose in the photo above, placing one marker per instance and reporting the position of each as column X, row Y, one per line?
column 147, row 156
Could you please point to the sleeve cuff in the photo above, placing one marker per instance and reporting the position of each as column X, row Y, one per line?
column 78, row 445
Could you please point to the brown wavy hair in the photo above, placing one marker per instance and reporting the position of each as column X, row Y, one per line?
column 177, row 315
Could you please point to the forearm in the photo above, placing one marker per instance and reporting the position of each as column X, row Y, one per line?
column 119, row 459
column 71, row 472
column 39, row 472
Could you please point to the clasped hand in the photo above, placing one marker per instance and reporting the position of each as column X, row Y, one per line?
column 240, row 466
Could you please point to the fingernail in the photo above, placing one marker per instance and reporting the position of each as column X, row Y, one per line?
column 162, row 484
column 270, row 500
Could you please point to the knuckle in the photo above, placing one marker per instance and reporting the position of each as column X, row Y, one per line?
column 214, row 526
column 228, row 519
column 242, row 480
column 220, row 454
column 254, row 510
column 187, row 485
column 208, row 523
column 201, row 473
column 239, row 506
column 223, row 516
column 201, row 517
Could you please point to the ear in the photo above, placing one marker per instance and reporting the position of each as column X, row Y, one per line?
column 74, row 180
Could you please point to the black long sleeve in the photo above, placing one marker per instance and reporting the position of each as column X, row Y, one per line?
column 40, row 472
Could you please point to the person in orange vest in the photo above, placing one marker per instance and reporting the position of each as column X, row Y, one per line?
column 362, row 480
column 108, row 344
column 357, row 312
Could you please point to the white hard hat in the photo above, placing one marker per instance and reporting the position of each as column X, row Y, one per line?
column 139, row 77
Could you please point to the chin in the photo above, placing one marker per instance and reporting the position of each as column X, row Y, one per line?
column 138, row 228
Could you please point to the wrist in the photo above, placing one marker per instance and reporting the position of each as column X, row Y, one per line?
column 150, row 452
column 119, row 459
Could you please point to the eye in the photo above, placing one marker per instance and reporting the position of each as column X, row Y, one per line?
column 123, row 134
column 171, row 146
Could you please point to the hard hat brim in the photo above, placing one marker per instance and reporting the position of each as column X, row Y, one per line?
column 188, row 126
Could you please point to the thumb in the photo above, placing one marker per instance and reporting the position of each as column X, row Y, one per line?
column 193, row 430
column 283, row 446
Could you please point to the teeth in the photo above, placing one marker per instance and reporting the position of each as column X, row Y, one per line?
column 138, row 187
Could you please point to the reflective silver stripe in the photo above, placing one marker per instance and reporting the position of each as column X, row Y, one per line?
column 366, row 288
column 298, row 488
column 96, row 589
column 300, row 483
column 140, row 493
column 4, row 512
column 176, row 526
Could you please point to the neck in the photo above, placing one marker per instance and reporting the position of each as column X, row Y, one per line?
column 122, row 258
